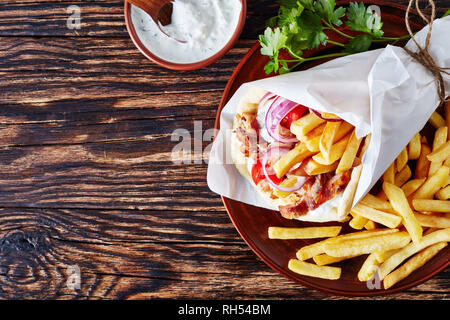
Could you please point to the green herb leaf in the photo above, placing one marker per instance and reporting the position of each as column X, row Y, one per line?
column 360, row 43
column 272, row 22
column 362, row 19
column 300, row 25
column 312, row 30
column 288, row 3
column 447, row 13
column 272, row 41
column 270, row 67
column 307, row 4
column 289, row 18
column 284, row 67
column 326, row 10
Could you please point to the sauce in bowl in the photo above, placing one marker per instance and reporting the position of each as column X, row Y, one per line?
column 202, row 28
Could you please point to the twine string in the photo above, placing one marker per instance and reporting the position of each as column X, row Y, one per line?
column 423, row 55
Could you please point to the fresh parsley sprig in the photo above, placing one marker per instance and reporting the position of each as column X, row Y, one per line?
column 301, row 25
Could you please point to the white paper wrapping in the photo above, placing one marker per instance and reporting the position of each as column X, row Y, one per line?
column 384, row 92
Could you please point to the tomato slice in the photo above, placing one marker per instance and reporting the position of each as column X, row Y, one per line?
column 258, row 174
column 293, row 115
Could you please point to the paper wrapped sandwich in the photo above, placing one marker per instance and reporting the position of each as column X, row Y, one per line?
column 297, row 143
column 298, row 159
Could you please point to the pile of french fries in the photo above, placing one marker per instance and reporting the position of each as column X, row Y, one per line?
column 400, row 228
column 330, row 146
column 325, row 146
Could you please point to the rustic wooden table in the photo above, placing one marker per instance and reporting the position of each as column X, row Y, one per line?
column 87, row 182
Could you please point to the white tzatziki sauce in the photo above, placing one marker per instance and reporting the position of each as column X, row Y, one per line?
column 324, row 212
column 205, row 27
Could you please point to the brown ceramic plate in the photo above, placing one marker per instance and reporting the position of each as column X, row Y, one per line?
column 252, row 222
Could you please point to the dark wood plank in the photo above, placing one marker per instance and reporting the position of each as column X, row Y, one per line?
column 127, row 174
column 148, row 254
column 63, row 107
column 42, row 71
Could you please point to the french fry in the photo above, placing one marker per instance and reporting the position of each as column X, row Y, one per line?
column 307, row 252
column 303, row 233
column 358, row 222
column 414, row 147
column 368, row 268
column 290, row 159
column 352, row 247
column 382, row 256
column 400, row 204
column 335, row 153
column 412, row 185
column 370, row 225
column 430, row 230
column 423, row 164
column 413, row 264
column 436, row 120
column 349, row 154
column 327, row 139
column 401, row 160
column 425, row 205
column 402, row 176
column 389, row 174
column 349, row 193
column 324, row 259
column 444, row 193
column 316, row 132
column 440, row 154
column 387, row 219
column 376, row 203
column 344, row 129
column 312, row 139
column 312, row 270
column 329, row 115
column 432, row 185
column 313, row 168
column 432, row 221
column 395, row 260
column 382, row 196
column 313, row 144
column 365, row 145
column 305, row 124
column 440, row 137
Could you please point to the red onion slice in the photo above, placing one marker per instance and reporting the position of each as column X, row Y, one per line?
column 317, row 113
column 279, row 108
column 300, row 180
column 267, row 97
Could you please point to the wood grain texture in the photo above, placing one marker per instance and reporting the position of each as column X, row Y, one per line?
column 86, row 171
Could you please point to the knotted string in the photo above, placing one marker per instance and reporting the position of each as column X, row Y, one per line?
column 423, row 56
